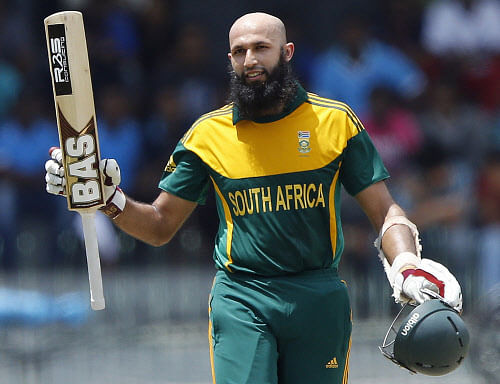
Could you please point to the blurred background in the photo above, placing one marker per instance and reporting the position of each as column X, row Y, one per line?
column 423, row 76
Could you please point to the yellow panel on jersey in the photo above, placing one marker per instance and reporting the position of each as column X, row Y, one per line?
column 311, row 137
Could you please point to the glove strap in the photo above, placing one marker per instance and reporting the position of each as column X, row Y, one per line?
column 388, row 223
column 402, row 260
column 433, row 279
column 115, row 205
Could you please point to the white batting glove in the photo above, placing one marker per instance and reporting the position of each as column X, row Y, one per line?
column 54, row 178
column 427, row 281
column 113, row 195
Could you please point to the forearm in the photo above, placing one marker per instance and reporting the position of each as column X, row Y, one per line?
column 143, row 222
column 389, row 220
column 154, row 223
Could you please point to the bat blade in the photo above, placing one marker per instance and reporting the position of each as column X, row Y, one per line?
column 76, row 122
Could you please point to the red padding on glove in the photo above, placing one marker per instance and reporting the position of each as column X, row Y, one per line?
column 428, row 276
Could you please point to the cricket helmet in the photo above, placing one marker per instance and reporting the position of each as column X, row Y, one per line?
column 432, row 339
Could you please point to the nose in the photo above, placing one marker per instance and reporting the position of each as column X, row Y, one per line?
column 250, row 59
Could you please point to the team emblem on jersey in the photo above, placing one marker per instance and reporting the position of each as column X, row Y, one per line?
column 304, row 141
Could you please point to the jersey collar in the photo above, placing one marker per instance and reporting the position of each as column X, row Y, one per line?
column 300, row 97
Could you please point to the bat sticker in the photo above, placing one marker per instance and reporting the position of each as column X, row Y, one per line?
column 59, row 59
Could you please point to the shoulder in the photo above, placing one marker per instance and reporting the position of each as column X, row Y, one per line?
column 225, row 111
column 334, row 107
column 210, row 121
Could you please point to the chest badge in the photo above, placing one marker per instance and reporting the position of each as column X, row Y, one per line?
column 303, row 137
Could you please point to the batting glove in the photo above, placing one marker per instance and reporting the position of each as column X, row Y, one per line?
column 113, row 195
column 427, row 281
column 54, row 177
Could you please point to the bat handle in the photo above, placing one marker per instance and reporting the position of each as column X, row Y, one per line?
column 93, row 261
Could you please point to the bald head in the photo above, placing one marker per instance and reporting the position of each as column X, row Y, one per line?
column 258, row 23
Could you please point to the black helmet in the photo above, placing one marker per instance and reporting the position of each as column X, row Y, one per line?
column 432, row 339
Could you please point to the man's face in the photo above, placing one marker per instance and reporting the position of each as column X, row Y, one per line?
column 261, row 79
column 255, row 52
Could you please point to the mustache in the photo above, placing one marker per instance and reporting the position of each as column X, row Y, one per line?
column 259, row 68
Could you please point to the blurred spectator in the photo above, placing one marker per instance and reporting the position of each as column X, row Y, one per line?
column 16, row 29
column 460, row 128
column 304, row 52
column 481, row 78
column 440, row 195
column 120, row 135
column 393, row 129
column 24, row 141
column 156, row 21
column 461, row 27
column 10, row 86
column 358, row 63
column 11, row 79
column 162, row 130
column 494, row 137
column 189, row 68
column 399, row 22
column 488, row 193
column 441, row 204
column 114, row 42
column 464, row 37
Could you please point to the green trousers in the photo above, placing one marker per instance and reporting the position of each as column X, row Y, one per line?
column 292, row 329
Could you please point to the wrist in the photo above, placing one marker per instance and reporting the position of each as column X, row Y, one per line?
column 115, row 204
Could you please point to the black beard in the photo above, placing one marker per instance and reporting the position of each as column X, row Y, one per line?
column 253, row 100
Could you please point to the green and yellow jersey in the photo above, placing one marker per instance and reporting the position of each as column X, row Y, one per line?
column 277, row 182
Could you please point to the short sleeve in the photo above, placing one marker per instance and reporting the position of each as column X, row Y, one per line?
column 361, row 165
column 185, row 176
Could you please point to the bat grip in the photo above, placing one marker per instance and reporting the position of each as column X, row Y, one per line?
column 93, row 261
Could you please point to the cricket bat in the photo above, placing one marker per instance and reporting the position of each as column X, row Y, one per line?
column 76, row 122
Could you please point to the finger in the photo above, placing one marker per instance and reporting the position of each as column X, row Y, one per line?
column 110, row 171
column 55, row 189
column 114, row 171
column 54, row 167
column 56, row 154
column 50, row 178
column 412, row 288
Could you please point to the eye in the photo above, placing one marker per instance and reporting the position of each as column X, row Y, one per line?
column 238, row 51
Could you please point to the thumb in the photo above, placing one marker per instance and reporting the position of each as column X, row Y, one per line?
column 110, row 171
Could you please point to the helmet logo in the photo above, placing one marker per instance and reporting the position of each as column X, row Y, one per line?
column 410, row 324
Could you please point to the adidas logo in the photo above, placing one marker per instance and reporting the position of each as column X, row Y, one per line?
column 332, row 363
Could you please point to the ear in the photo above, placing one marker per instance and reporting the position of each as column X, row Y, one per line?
column 289, row 50
column 229, row 56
